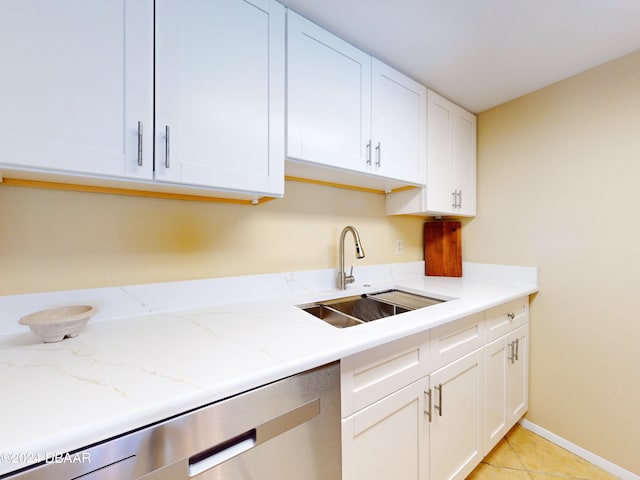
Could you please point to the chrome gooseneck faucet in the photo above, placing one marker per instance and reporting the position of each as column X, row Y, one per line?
column 343, row 278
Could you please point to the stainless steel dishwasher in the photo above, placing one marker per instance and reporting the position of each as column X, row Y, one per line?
column 287, row 429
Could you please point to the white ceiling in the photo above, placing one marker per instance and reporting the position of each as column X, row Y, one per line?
column 480, row 53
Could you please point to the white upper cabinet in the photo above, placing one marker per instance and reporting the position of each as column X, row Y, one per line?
column 451, row 165
column 463, row 162
column 77, row 80
column 399, row 120
column 351, row 113
column 220, row 94
column 77, row 93
column 328, row 97
column 439, row 191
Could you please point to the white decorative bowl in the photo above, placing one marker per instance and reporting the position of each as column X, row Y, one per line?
column 55, row 324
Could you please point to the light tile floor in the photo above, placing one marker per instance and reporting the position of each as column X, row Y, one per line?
column 523, row 455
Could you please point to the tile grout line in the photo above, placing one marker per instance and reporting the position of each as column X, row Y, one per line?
column 518, row 457
column 542, row 472
column 504, row 467
column 511, row 457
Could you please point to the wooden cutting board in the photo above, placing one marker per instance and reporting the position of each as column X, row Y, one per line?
column 443, row 249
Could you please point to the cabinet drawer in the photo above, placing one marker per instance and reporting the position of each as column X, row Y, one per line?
column 454, row 340
column 373, row 374
column 504, row 318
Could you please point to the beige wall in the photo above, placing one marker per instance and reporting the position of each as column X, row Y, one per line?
column 558, row 183
column 55, row 240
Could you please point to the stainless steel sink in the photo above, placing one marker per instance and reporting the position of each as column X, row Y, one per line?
column 359, row 309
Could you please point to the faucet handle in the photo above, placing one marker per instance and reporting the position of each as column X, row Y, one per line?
column 348, row 279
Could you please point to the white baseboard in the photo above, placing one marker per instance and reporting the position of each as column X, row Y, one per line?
column 590, row 457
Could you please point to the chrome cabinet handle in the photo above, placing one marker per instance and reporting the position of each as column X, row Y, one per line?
column 511, row 316
column 512, row 358
column 167, row 162
column 439, row 406
column 369, row 153
column 379, row 155
column 139, row 144
column 457, row 199
column 517, row 342
column 428, row 410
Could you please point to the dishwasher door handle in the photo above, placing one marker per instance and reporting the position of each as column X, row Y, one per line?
column 221, row 453
column 239, row 444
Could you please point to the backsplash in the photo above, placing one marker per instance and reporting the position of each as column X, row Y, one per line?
column 133, row 300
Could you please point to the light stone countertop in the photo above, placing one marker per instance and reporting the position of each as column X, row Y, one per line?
column 154, row 351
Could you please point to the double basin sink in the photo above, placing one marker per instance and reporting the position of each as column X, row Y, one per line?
column 359, row 309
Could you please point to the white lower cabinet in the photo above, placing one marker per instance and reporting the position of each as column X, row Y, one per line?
column 496, row 388
column 384, row 426
column 432, row 405
column 506, row 382
column 388, row 439
column 455, row 434
column 430, row 429
column 518, row 377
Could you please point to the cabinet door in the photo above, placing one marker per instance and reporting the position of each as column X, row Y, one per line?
column 388, row 439
column 456, row 427
column 506, row 384
column 328, row 97
column 73, row 88
column 220, row 94
column 439, row 194
column 518, row 375
column 399, row 121
column 463, row 161
column 495, row 418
